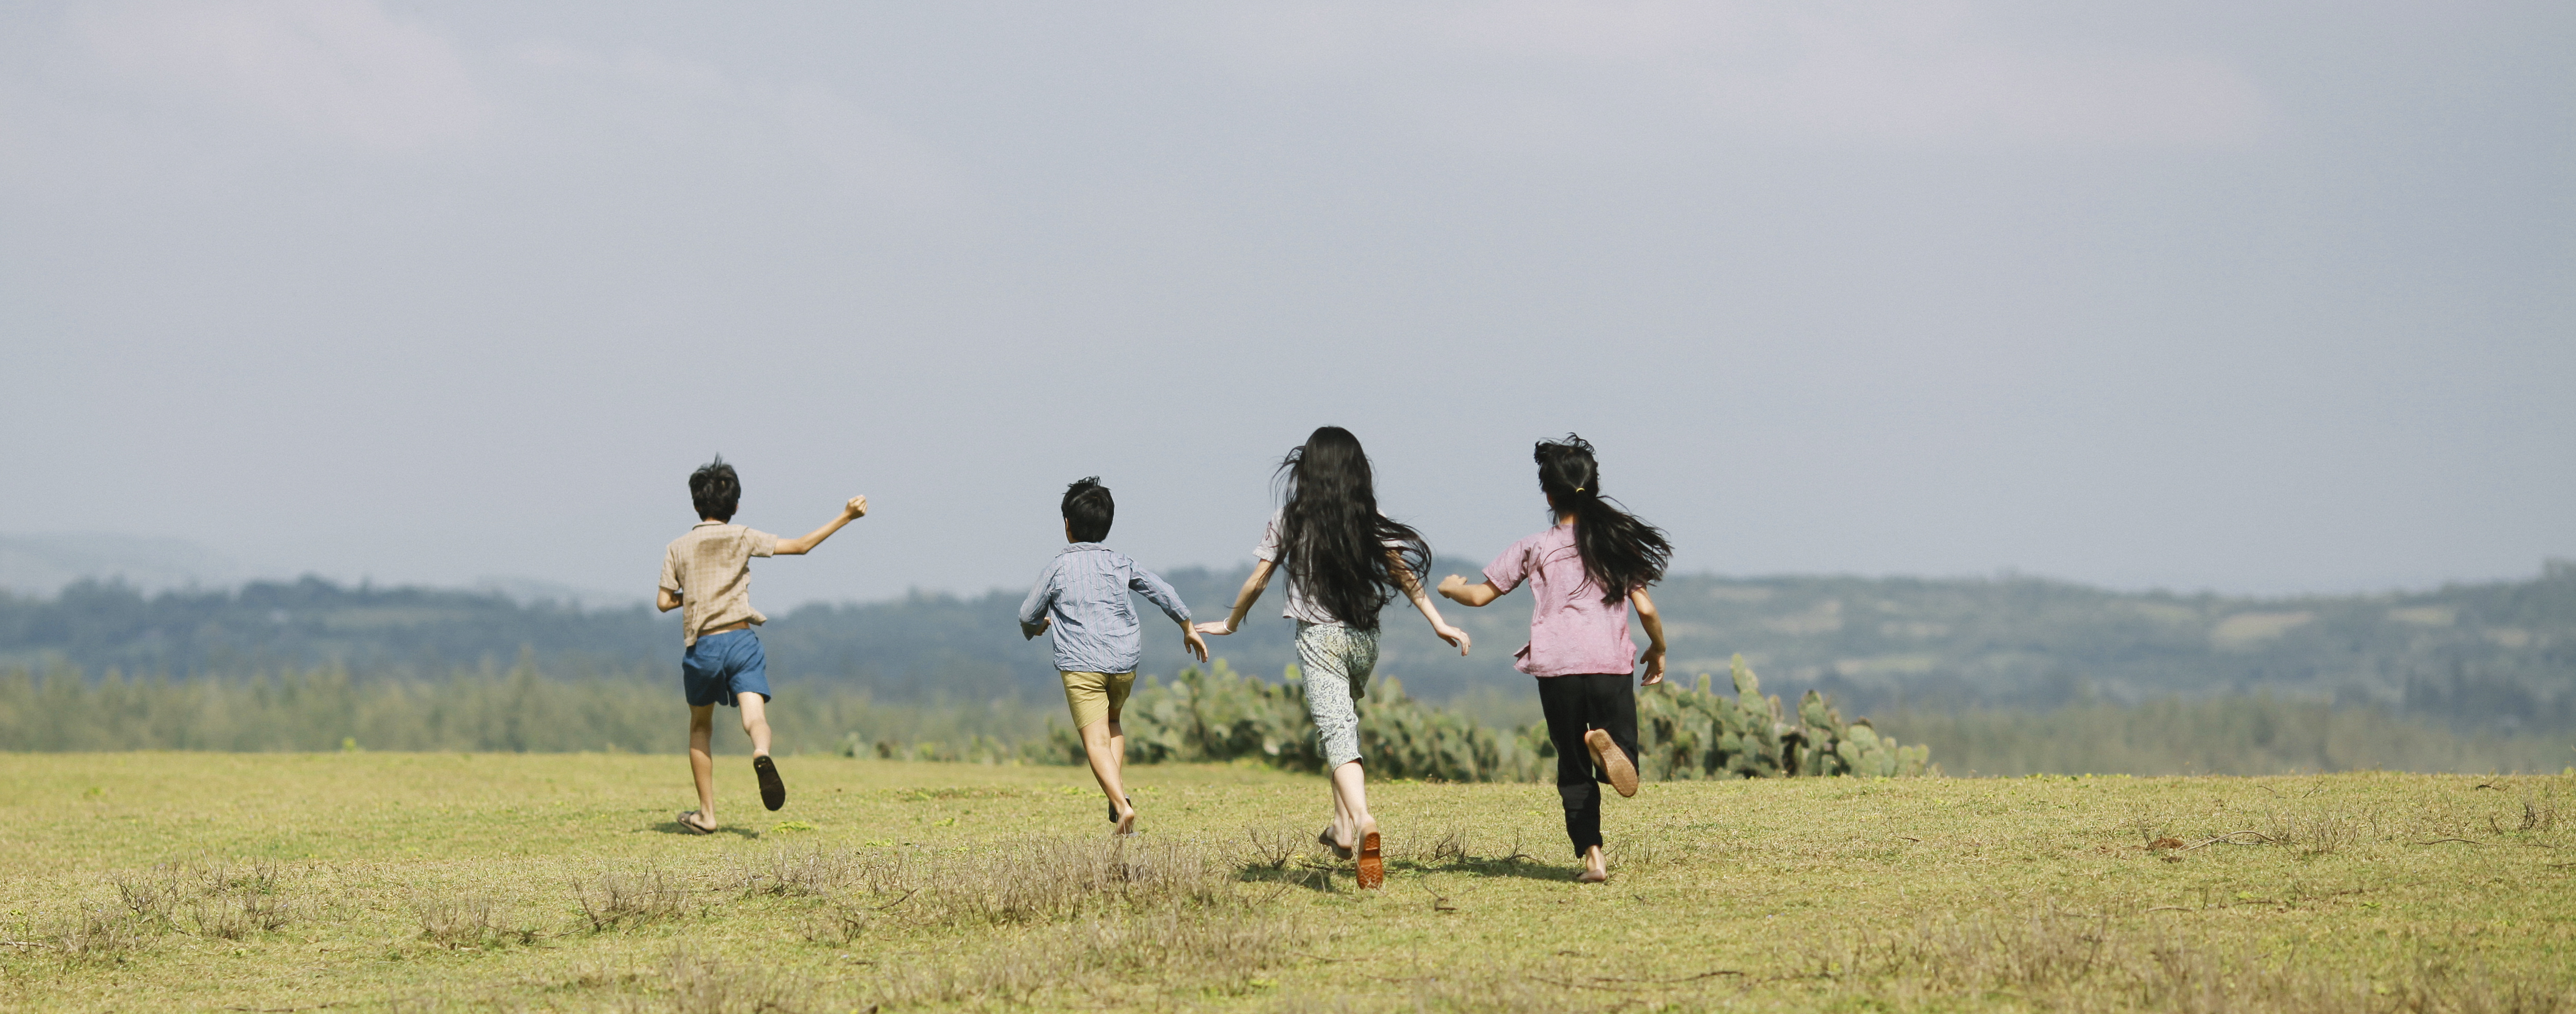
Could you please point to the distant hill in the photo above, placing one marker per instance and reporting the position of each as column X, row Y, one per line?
column 2499, row 655
column 45, row 564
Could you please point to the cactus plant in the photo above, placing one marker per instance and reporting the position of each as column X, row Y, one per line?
column 1216, row 714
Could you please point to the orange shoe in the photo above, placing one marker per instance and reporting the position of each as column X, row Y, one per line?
column 1612, row 761
column 1372, row 863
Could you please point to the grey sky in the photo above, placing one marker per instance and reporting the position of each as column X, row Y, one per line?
column 2191, row 295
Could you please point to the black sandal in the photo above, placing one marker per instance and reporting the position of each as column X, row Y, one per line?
column 773, row 792
column 689, row 823
column 1325, row 839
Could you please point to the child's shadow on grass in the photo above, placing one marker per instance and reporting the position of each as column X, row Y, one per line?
column 1319, row 876
column 1309, row 875
column 675, row 827
column 1521, row 867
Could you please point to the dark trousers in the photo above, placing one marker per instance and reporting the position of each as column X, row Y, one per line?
column 1575, row 705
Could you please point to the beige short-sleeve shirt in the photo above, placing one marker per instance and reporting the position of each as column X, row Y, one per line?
column 710, row 570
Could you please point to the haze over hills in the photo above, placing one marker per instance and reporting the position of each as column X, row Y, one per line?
column 2493, row 655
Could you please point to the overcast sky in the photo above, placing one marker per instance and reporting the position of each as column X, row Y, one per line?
column 2183, row 295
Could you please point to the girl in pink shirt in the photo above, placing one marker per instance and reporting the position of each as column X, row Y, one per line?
column 1585, row 573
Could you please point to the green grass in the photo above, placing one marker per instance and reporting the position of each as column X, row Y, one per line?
column 367, row 881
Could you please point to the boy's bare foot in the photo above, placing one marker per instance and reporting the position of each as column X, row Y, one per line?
column 773, row 792
column 692, row 823
column 1326, row 839
column 1594, row 869
column 1612, row 761
column 1372, row 862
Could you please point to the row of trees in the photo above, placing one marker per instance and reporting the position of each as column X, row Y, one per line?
column 1217, row 714
column 2497, row 656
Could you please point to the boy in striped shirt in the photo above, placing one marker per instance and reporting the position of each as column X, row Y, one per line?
column 1082, row 595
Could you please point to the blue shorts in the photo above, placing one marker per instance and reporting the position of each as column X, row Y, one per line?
column 722, row 665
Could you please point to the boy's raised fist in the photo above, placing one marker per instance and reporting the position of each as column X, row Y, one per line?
column 857, row 507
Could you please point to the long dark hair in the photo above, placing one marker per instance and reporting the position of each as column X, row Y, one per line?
column 1332, row 540
column 1621, row 553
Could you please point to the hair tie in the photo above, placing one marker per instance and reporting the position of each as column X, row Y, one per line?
column 1578, row 489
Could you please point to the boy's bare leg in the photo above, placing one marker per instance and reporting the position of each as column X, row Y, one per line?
column 1103, row 747
column 1118, row 755
column 755, row 722
column 702, row 760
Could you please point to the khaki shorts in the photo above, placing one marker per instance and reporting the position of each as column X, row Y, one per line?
column 1095, row 696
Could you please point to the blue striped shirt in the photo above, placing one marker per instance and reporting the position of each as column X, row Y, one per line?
column 1085, row 588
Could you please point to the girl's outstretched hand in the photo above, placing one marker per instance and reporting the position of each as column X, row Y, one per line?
column 1452, row 635
column 1212, row 628
column 1654, row 667
column 1190, row 639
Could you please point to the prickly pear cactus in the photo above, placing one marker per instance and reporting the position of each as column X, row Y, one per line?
column 1702, row 733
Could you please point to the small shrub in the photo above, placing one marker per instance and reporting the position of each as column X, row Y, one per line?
column 97, row 934
column 239, row 914
column 616, row 899
column 468, row 922
column 152, row 897
column 799, row 873
column 707, row 984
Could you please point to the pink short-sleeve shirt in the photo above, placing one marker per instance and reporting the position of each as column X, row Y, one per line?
column 1572, row 632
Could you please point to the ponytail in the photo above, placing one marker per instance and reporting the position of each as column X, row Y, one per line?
column 1621, row 553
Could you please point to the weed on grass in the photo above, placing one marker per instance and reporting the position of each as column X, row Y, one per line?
column 1177, row 951
column 702, row 983
column 98, row 934
column 468, row 923
column 1036, row 880
column 631, row 898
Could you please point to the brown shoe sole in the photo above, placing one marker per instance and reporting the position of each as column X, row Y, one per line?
column 1613, row 762
column 1372, row 864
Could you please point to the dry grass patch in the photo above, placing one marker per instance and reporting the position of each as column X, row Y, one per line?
column 2059, row 959
column 632, row 898
column 468, row 923
column 1176, row 951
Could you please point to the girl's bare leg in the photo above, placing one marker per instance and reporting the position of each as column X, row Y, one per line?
column 1594, row 869
column 1350, row 795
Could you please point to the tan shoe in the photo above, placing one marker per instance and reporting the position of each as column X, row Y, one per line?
column 1612, row 761
column 1372, row 863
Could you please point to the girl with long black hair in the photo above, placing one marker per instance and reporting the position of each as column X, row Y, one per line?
column 1345, row 562
column 1586, row 572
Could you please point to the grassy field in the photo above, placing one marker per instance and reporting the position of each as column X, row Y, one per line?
column 419, row 882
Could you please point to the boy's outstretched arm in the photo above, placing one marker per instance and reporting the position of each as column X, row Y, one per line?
column 1413, row 590
column 1160, row 593
column 1243, row 600
column 1456, row 589
column 855, row 509
column 1033, row 609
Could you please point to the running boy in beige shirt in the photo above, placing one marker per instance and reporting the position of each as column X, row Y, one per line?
column 707, row 575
